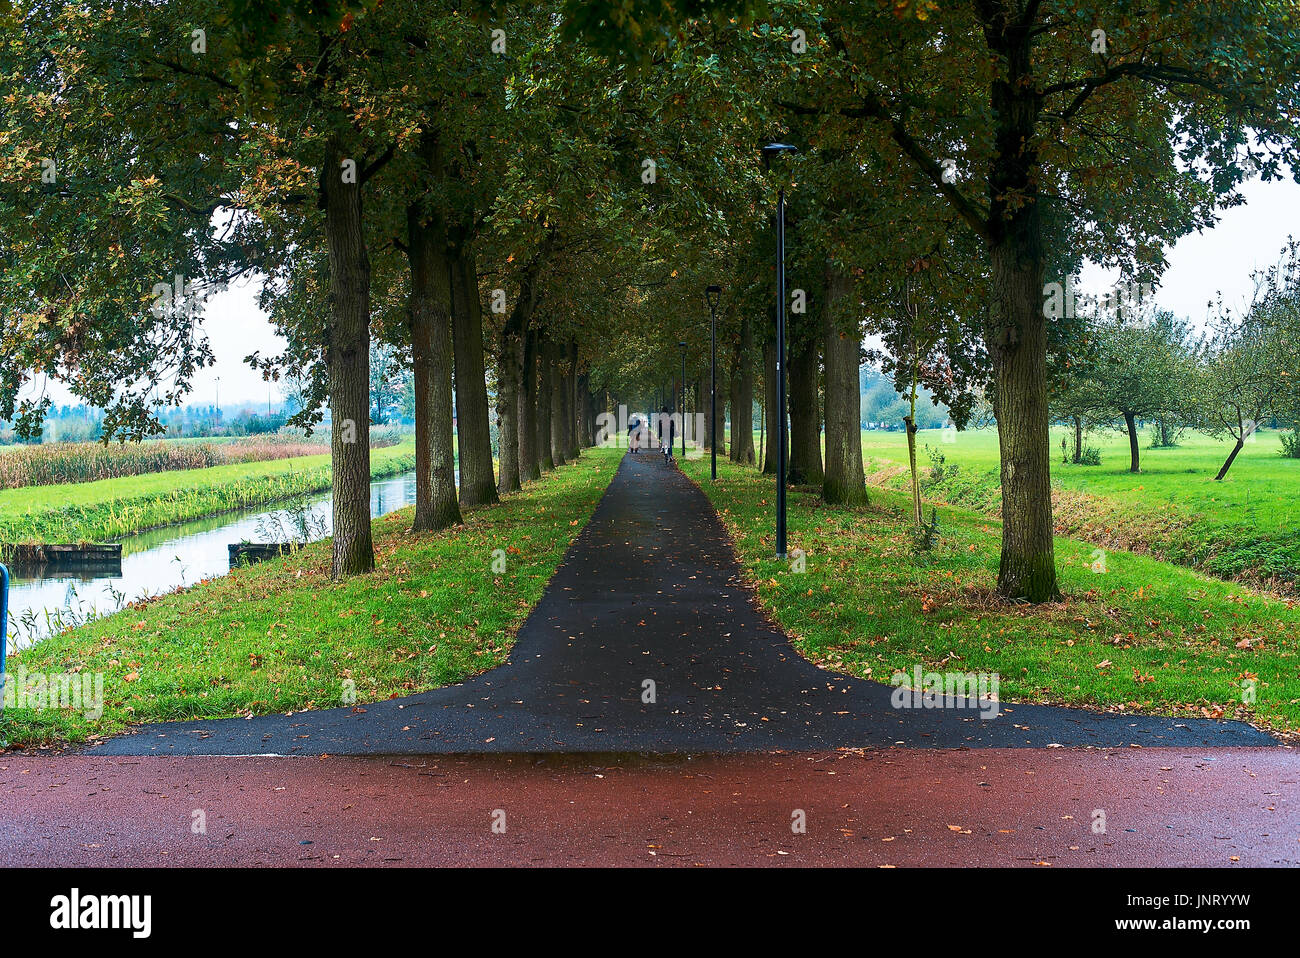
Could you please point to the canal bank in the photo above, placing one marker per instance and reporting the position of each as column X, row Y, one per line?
column 110, row 509
column 46, row 598
column 281, row 636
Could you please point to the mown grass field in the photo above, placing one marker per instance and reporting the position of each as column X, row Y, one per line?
column 111, row 508
column 1246, row 527
column 1144, row 636
column 281, row 636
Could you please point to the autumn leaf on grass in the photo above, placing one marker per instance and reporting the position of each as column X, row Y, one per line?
column 1104, row 664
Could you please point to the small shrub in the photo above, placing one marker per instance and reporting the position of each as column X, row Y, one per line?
column 1091, row 456
column 924, row 538
column 938, row 470
column 1291, row 443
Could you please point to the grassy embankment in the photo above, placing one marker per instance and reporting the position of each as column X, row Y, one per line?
column 111, row 508
column 1144, row 636
column 1244, row 528
column 280, row 636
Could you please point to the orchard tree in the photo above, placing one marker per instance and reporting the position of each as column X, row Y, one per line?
column 1249, row 371
column 1142, row 371
column 1238, row 385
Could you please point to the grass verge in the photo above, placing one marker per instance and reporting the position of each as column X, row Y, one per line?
column 109, row 509
column 1242, row 528
column 1144, row 636
column 281, row 637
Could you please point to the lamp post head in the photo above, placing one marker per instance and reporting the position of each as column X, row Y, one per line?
column 773, row 150
column 711, row 296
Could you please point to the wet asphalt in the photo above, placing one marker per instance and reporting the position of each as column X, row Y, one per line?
column 651, row 592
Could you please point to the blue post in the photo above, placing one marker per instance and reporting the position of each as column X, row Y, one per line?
column 4, row 627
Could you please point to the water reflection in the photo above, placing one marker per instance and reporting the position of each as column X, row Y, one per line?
column 158, row 561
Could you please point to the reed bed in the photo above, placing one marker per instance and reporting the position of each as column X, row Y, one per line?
column 125, row 509
column 59, row 463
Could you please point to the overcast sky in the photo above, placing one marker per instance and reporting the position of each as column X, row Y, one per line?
column 1248, row 237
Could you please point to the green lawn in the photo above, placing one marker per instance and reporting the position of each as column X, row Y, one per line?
column 1142, row 636
column 1244, row 527
column 280, row 636
column 108, row 509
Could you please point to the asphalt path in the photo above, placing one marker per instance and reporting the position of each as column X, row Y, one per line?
column 647, row 640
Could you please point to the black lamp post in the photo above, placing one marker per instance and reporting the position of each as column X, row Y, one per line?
column 683, row 346
column 771, row 151
column 711, row 295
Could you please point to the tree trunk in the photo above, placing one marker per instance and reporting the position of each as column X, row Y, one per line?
column 805, row 414
column 530, row 462
column 555, row 378
column 545, row 400
column 582, row 390
column 431, row 350
column 1130, row 423
column 1078, row 439
column 509, row 359
column 714, row 400
column 909, row 422
column 573, row 409
column 348, row 358
column 844, row 482
column 473, row 429
column 770, row 413
column 742, row 396
column 1018, row 347
column 1231, row 456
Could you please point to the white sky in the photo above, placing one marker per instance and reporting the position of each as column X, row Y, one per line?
column 1248, row 237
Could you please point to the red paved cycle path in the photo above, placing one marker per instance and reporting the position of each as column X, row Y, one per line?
column 896, row 807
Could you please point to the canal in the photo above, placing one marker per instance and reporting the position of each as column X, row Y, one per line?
column 45, row 599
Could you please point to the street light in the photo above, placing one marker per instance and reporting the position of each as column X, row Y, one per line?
column 683, row 346
column 770, row 152
column 711, row 295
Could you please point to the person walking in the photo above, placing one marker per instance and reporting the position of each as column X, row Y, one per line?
column 667, row 434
